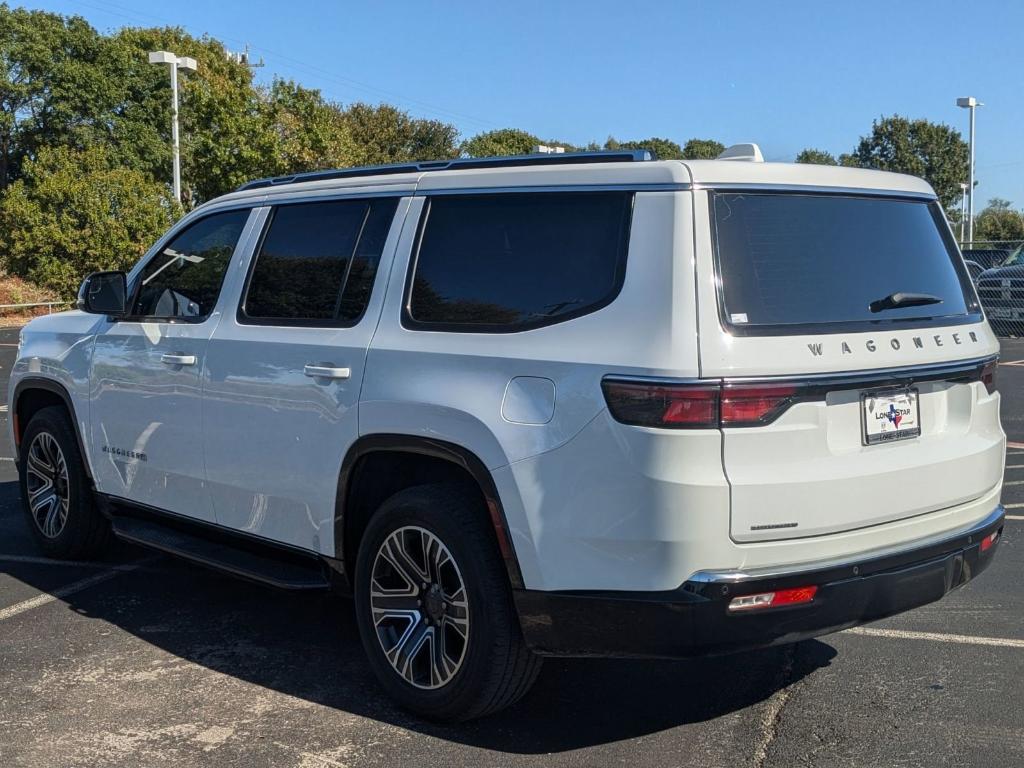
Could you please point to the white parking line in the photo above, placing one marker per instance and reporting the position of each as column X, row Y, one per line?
column 901, row 634
column 4, row 558
column 61, row 592
column 1014, row 482
column 1015, row 517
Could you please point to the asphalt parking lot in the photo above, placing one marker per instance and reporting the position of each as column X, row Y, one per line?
column 145, row 661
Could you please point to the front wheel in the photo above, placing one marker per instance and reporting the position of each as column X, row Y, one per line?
column 434, row 607
column 55, row 490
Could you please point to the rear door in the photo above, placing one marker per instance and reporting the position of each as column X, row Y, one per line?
column 848, row 329
column 283, row 373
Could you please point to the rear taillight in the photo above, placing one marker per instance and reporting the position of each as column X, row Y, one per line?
column 657, row 405
column 696, row 406
column 752, row 404
column 988, row 376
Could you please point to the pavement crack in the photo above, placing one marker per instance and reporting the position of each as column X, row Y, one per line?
column 773, row 712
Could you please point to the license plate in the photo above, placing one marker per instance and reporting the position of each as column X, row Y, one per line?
column 888, row 416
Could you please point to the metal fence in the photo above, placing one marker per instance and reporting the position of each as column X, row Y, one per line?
column 35, row 308
column 997, row 269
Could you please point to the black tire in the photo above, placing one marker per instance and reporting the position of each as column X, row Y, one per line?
column 496, row 666
column 84, row 533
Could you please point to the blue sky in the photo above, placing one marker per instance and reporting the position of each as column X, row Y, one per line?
column 787, row 75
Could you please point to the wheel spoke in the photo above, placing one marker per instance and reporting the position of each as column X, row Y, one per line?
column 46, row 484
column 419, row 607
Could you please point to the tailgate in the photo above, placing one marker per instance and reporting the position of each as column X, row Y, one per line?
column 860, row 304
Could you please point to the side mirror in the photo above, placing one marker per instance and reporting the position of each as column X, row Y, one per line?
column 104, row 293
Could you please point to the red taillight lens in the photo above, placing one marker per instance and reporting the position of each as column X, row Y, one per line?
column 988, row 376
column 692, row 406
column 988, row 541
column 751, row 405
column 656, row 405
column 777, row 599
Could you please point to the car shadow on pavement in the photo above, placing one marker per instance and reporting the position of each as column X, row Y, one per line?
column 307, row 646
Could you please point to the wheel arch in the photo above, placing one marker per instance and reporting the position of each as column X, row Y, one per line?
column 351, row 516
column 31, row 395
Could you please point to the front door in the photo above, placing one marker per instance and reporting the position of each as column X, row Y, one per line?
column 284, row 371
column 146, row 374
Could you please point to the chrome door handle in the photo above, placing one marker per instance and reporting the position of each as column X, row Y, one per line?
column 326, row 372
column 169, row 359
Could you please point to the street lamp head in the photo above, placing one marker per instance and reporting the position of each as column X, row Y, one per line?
column 162, row 57
column 187, row 64
column 968, row 101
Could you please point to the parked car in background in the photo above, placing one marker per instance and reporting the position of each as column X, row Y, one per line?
column 1001, row 291
column 987, row 257
column 974, row 269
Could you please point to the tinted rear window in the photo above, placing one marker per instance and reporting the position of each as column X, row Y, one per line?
column 791, row 262
column 507, row 262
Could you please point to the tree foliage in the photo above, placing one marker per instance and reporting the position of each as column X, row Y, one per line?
column 503, row 141
column 998, row 221
column 77, row 211
column 385, row 134
column 933, row 151
column 310, row 132
column 816, row 157
column 663, row 149
column 702, row 149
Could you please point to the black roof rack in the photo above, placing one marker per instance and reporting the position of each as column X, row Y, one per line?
column 563, row 158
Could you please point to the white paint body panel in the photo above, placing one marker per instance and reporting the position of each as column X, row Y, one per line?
column 246, row 440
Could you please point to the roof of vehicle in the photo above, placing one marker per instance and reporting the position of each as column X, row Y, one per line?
column 590, row 170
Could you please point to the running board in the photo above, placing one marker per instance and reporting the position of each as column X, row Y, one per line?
column 261, row 564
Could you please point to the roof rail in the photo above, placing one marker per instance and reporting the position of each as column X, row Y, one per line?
column 462, row 163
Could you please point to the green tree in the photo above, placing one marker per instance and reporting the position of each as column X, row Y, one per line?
column 311, row 133
column 702, row 149
column 663, row 149
column 75, row 212
column 385, row 134
column 998, row 221
column 227, row 130
column 503, row 141
column 933, row 151
column 816, row 157
column 49, row 92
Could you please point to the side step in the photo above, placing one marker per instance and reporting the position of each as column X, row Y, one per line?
column 284, row 570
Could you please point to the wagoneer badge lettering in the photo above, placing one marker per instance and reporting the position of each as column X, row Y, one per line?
column 871, row 345
column 124, row 452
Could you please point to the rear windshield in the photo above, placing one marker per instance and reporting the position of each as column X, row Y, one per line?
column 792, row 263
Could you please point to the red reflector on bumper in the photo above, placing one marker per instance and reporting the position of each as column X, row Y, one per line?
column 794, row 596
column 988, row 541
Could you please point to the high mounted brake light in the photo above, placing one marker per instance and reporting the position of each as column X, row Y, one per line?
column 697, row 406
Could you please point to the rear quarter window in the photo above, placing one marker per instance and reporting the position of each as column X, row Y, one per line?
column 510, row 262
column 814, row 263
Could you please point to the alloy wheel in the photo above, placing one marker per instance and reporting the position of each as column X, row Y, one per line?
column 420, row 609
column 47, row 484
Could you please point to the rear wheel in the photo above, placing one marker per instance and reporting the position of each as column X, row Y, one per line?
column 434, row 608
column 55, row 490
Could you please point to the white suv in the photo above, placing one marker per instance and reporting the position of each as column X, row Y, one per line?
column 575, row 405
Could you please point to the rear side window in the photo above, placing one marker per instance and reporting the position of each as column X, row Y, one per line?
column 510, row 262
column 792, row 263
column 317, row 262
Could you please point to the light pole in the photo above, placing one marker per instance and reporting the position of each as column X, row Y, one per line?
column 963, row 211
column 174, row 63
column 971, row 103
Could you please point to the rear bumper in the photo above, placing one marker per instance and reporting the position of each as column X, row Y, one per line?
column 694, row 620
